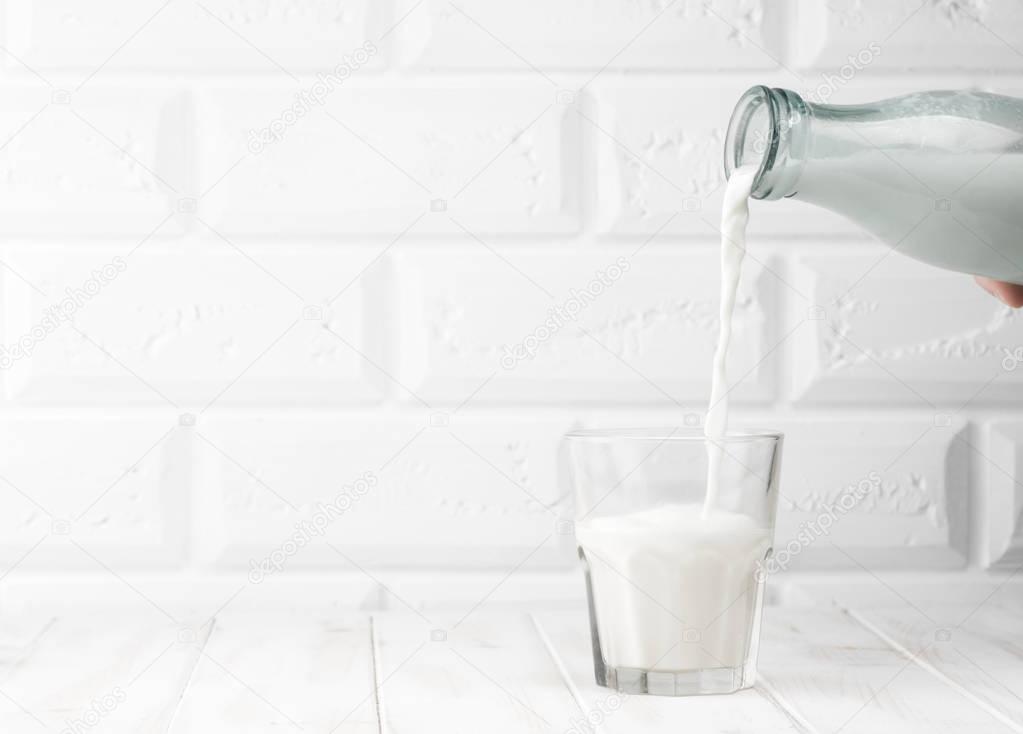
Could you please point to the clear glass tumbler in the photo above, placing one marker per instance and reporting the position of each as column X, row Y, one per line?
column 674, row 568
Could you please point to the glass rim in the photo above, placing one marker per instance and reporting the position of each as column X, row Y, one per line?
column 676, row 434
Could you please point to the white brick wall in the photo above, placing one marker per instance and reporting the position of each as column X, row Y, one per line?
column 337, row 301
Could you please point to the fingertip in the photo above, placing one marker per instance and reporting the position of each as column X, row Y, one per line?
column 1010, row 294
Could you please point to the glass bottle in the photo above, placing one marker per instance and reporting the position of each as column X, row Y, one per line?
column 936, row 175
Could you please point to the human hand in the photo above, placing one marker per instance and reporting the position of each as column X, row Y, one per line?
column 1008, row 293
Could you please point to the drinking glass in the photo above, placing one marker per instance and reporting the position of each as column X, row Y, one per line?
column 675, row 570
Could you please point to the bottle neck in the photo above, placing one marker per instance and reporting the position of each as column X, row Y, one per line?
column 769, row 129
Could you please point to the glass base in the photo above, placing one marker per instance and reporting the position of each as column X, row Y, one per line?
column 681, row 683
column 696, row 682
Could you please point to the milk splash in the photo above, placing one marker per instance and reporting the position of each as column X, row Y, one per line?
column 734, row 217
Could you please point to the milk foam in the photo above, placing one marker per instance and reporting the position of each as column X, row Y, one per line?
column 674, row 588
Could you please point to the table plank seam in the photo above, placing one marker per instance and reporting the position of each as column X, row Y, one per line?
column 991, row 709
column 374, row 657
column 30, row 647
column 772, row 695
column 186, row 686
column 559, row 665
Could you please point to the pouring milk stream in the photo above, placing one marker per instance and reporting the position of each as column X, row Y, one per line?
column 677, row 582
column 734, row 218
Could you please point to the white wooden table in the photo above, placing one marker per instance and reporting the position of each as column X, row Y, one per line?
column 901, row 669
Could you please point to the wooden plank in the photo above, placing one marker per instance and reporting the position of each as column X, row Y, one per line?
column 281, row 672
column 19, row 636
column 491, row 673
column 932, row 593
column 883, row 669
column 836, row 675
column 568, row 637
column 1008, row 597
column 981, row 654
column 85, row 671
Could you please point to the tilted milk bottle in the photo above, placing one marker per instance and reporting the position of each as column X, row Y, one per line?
column 936, row 175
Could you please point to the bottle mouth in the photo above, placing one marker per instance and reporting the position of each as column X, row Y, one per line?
column 760, row 134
